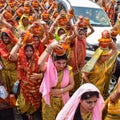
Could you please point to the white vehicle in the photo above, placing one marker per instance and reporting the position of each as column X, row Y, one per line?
column 97, row 16
column 100, row 22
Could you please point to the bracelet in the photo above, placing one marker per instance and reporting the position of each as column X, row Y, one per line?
column 48, row 49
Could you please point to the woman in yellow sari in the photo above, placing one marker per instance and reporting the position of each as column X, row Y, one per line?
column 100, row 66
column 113, row 105
column 23, row 23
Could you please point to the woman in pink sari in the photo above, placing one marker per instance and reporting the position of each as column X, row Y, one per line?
column 57, row 82
column 85, row 104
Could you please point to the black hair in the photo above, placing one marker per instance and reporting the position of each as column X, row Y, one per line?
column 60, row 30
column 25, row 18
column 89, row 94
column 59, row 57
column 81, row 30
column 35, row 36
column 28, row 45
column 4, row 34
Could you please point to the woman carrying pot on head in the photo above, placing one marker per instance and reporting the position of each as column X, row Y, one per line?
column 99, row 68
column 58, row 79
column 29, row 99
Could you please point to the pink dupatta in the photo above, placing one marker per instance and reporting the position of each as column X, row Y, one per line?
column 68, row 111
column 50, row 80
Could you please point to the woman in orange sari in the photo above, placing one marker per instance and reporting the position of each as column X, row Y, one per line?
column 77, row 56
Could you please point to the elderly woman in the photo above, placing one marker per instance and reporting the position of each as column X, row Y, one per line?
column 85, row 104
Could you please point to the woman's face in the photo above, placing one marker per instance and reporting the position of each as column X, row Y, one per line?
column 61, row 32
column 60, row 64
column 36, row 41
column 6, row 39
column 25, row 21
column 103, row 58
column 29, row 52
column 89, row 104
column 81, row 34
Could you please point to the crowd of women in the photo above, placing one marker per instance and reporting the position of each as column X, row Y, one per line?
column 44, row 52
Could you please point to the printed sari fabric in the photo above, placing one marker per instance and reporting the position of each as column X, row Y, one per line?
column 29, row 99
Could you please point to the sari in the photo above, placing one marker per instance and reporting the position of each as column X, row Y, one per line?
column 78, row 115
column 100, row 75
column 29, row 99
column 9, row 72
column 68, row 111
column 112, row 110
column 77, row 60
column 51, row 105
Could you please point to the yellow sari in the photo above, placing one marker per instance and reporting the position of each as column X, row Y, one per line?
column 87, row 116
column 113, row 110
column 99, row 75
column 50, row 112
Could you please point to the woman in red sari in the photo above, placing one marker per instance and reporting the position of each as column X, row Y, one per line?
column 9, row 73
column 29, row 99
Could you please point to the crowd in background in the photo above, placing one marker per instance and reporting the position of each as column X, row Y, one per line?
column 44, row 52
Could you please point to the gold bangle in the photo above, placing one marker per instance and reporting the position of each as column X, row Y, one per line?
column 48, row 49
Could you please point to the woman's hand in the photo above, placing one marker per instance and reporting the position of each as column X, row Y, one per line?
column 56, row 44
column 118, row 89
column 36, row 76
column 56, row 92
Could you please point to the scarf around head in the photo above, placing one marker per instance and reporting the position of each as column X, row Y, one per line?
column 68, row 111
